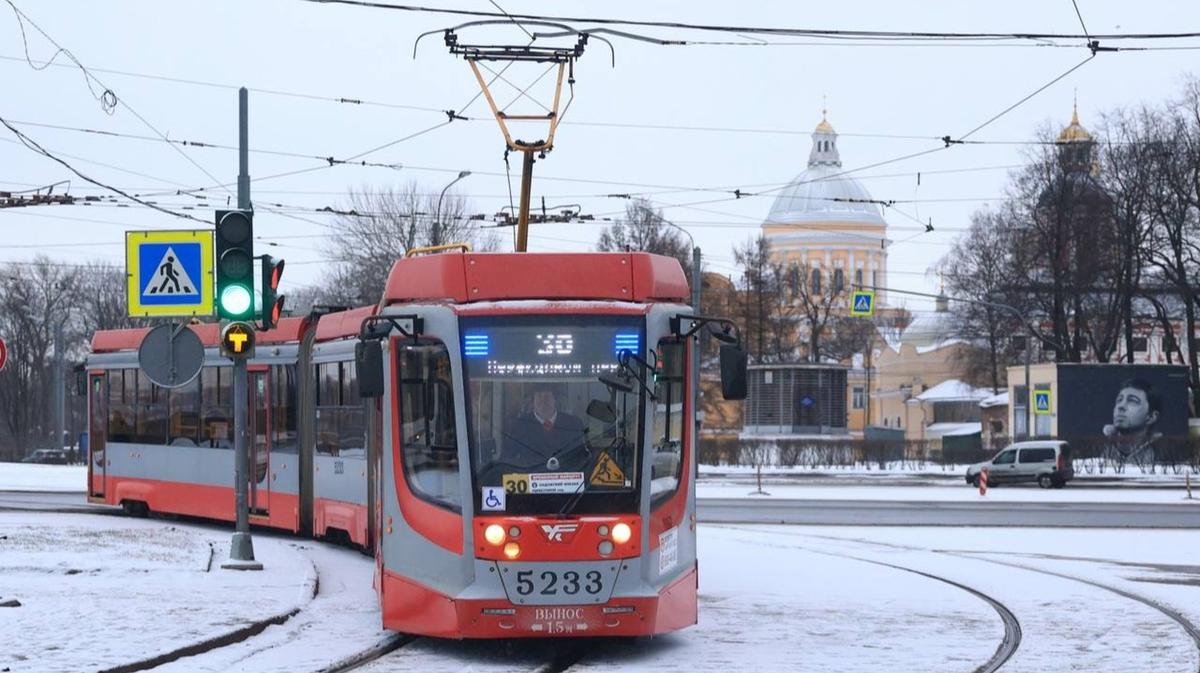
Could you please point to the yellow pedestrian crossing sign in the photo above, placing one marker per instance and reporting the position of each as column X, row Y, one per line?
column 1041, row 402
column 862, row 302
column 169, row 273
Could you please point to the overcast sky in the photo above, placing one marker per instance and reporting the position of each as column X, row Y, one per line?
column 774, row 93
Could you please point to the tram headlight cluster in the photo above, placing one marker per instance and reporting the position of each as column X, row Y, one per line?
column 494, row 534
column 620, row 533
column 512, row 550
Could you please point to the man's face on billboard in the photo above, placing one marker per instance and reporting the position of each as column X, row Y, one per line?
column 1132, row 411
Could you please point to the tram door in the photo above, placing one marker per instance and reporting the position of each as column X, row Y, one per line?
column 97, row 434
column 260, row 446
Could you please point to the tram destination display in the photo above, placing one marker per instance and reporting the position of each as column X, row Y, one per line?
column 548, row 351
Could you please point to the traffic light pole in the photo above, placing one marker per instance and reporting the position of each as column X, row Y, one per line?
column 241, row 549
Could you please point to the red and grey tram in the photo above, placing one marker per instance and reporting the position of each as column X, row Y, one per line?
column 512, row 434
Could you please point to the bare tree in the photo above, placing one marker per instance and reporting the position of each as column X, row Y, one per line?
column 979, row 268
column 644, row 229
column 377, row 227
column 757, row 294
column 34, row 300
column 1062, row 268
column 820, row 299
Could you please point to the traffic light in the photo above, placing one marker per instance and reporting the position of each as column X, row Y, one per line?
column 237, row 340
column 235, row 264
column 272, row 303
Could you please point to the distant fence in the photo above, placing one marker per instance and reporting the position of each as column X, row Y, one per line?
column 1172, row 457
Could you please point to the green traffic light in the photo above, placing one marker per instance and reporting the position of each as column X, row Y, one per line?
column 236, row 300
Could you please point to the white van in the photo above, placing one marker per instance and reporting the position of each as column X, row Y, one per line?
column 1048, row 462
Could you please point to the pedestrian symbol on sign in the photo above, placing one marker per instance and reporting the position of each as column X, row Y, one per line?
column 862, row 303
column 170, row 277
column 1041, row 402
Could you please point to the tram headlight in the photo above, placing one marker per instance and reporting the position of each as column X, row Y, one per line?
column 605, row 548
column 512, row 550
column 621, row 533
column 494, row 534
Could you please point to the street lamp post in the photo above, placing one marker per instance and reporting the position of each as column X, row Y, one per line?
column 1003, row 307
column 435, row 238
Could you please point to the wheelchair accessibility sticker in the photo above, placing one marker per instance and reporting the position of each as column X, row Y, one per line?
column 493, row 499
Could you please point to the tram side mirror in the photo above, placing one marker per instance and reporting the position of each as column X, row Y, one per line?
column 368, row 363
column 721, row 334
column 602, row 411
column 617, row 382
column 733, row 371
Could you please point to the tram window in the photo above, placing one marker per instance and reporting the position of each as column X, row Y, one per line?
column 216, row 407
column 341, row 421
column 329, row 399
column 283, row 409
column 352, row 423
column 427, row 425
column 120, row 407
column 667, row 440
column 183, row 408
column 151, row 424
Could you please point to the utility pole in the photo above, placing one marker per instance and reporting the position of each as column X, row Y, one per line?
column 241, row 548
column 526, row 190
column 60, row 401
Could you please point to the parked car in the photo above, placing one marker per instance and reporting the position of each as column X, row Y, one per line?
column 1047, row 462
column 47, row 456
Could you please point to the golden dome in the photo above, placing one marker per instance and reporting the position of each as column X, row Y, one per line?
column 1074, row 132
column 824, row 126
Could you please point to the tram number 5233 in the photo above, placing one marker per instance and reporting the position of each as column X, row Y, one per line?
column 550, row 583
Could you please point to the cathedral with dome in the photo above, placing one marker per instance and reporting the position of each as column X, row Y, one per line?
column 825, row 223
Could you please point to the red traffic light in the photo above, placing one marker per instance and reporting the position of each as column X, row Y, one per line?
column 276, row 274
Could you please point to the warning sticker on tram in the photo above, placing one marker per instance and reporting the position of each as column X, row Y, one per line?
column 607, row 472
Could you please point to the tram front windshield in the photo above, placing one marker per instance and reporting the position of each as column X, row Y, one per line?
column 543, row 428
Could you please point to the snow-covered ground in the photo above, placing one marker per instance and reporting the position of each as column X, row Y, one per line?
column 33, row 477
column 99, row 591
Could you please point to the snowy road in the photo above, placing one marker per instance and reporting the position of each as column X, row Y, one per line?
column 101, row 591
column 872, row 512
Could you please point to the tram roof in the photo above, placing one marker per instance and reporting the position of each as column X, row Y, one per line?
column 343, row 323
column 107, row 341
column 473, row 277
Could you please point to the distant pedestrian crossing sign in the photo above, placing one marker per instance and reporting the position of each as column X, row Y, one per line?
column 862, row 302
column 169, row 273
column 1041, row 402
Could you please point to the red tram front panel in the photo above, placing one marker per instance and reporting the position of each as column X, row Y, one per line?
column 522, row 495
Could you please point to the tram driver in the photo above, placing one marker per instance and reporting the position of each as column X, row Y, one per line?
column 545, row 436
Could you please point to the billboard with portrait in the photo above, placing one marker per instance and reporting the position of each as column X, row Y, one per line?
column 1127, row 413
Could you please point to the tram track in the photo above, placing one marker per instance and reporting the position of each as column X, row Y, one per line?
column 1186, row 624
column 1174, row 615
column 1008, row 645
